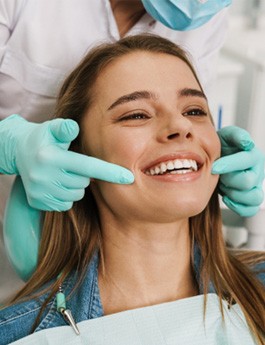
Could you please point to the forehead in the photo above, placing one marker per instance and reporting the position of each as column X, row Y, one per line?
column 144, row 70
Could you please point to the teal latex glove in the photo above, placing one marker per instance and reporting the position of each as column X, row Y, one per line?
column 22, row 231
column 53, row 177
column 241, row 170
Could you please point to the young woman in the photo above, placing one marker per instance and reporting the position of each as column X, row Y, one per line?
column 140, row 105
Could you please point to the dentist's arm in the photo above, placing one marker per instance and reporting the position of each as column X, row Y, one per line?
column 53, row 177
column 241, row 170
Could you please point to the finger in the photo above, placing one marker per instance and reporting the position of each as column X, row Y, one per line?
column 71, row 181
column 233, row 136
column 93, row 167
column 52, row 195
column 242, row 180
column 241, row 210
column 65, row 195
column 64, row 131
column 238, row 161
column 51, row 205
column 253, row 197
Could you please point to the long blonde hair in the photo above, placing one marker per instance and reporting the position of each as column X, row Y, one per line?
column 70, row 238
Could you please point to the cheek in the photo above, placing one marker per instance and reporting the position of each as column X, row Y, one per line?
column 214, row 153
column 216, row 146
column 211, row 143
column 122, row 146
column 212, row 146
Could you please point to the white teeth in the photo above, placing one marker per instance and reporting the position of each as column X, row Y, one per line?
column 157, row 170
column 178, row 164
column 184, row 166
column 163, row 167
column 170, row 165
column 186, row 163
column 180, row 172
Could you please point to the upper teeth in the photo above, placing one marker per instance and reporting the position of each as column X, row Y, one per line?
column 171, row 165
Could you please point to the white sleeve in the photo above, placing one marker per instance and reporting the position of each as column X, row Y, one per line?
column 212, row 38
column 9, row 13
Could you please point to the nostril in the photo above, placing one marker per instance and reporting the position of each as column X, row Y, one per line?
column 173, row 136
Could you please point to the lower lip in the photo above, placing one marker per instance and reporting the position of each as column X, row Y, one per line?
column 187, row 177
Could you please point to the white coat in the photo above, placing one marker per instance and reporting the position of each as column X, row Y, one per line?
column 41, row 41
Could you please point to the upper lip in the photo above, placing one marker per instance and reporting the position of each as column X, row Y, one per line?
column 172, row 156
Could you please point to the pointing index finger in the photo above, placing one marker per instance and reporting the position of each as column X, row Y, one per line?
column 92, row 167
column 236, row 162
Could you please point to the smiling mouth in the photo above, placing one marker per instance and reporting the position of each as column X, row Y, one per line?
column 174, row 167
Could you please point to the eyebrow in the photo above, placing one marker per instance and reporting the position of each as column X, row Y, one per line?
column 134, row 96
column 191, row 92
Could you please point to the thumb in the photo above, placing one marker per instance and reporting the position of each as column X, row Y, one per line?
column 63, row 130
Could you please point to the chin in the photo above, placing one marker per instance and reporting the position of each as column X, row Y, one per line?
column 191, row 211
column 170, row 212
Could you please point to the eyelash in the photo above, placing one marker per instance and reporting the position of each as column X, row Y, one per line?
column 142, row 116
column 198, row 111
column 135, row 116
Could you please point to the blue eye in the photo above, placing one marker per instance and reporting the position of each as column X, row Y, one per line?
column 195, row 112
column 136, row 116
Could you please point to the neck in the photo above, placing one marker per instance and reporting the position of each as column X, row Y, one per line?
column 126, row 13
column 145, row 265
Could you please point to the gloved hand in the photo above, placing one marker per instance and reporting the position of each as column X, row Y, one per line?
column 241, row 170
column 53, row 177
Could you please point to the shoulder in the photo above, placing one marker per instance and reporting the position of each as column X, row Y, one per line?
column 16, row 321
column 10, row 10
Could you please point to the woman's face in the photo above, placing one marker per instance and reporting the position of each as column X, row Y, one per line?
column 149, row 115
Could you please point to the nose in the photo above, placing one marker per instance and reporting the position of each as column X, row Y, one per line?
column 175, row 127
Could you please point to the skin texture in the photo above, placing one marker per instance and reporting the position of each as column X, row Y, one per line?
column 145, row 225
